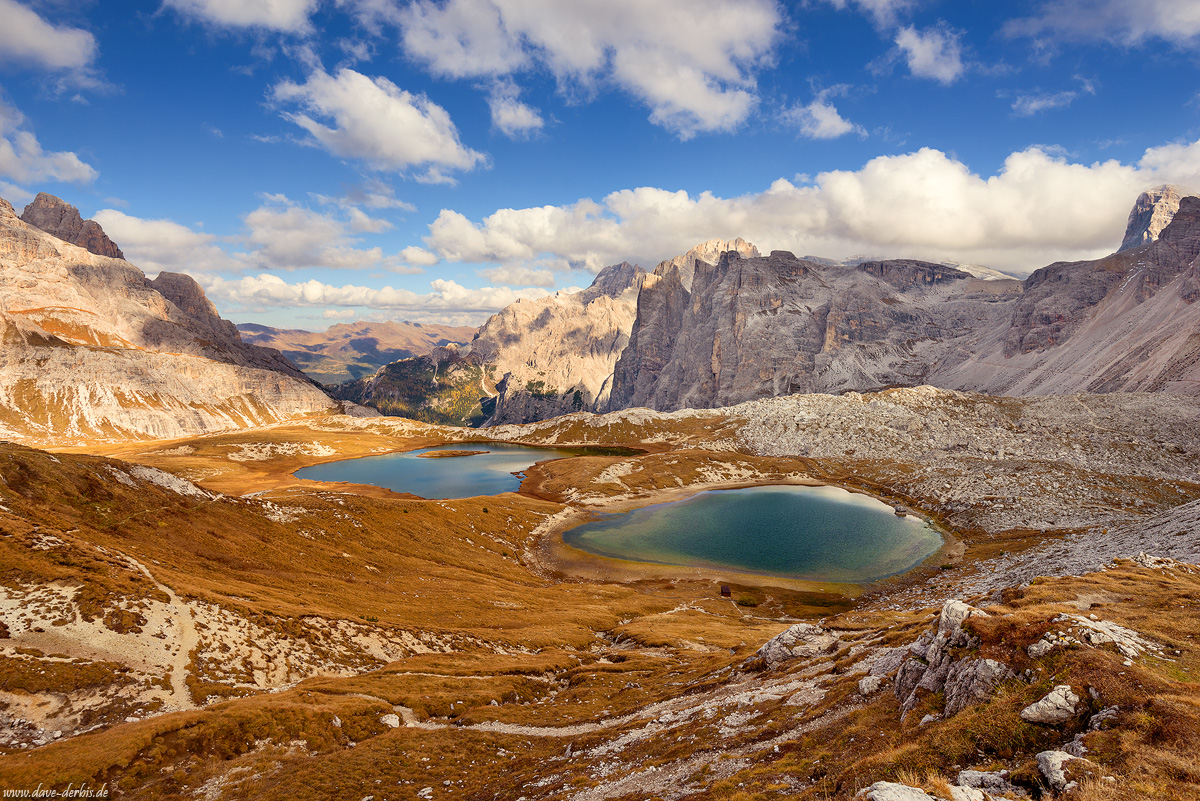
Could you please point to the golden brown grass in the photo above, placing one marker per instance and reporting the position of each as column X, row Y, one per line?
column 576, row 652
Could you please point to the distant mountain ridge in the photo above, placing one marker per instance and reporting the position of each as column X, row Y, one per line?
column 347, row 351
column 534, row 359
column 92, row 349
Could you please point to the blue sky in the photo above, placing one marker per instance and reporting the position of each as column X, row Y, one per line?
column 316, row 161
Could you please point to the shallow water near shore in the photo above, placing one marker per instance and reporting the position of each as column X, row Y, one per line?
column 496, row 470
column 799, row 532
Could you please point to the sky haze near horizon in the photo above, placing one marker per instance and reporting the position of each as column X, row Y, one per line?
column 318, row 161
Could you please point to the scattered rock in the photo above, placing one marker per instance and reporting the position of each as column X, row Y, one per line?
column 965, row 681
column 893, row 791
column 391, row 721
column 1057, row 707
column 994, row 782
column 886, row 661
column 967, row 794
column 869, row 685
column 1053, row 765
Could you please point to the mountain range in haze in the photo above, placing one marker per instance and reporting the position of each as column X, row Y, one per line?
column 347, row 351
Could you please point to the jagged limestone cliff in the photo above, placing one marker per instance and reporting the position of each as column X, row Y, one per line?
column 774, row 325
column 760, row 327
column 556, row 355
column 1152, row 212
column 92, row 349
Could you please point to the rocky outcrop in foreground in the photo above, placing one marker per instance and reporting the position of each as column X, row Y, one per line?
column 95, row 350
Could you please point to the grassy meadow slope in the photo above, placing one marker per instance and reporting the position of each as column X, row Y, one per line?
column 194, row 621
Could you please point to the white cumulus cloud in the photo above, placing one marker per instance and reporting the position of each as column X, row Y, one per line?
column 1120, row 21
column 692, row 62
column 23, row 159
column 278, row 235
column 519, row 275
column 820, row 119
column 374, row 121
column 933, row 53
column 512, row 117
column 26, row 38
column 445, row 300
column 883, row 12
column 1038, row 208
column 158, row 245
column 290, row 16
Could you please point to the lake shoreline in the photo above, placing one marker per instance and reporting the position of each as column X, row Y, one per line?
column 553, row 557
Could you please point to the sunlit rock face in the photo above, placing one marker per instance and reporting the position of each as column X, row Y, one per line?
column 1152, row 212
column 555, row 355
column 95, row 350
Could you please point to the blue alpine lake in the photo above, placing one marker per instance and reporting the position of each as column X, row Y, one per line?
column 813, row 533
column 490, row 473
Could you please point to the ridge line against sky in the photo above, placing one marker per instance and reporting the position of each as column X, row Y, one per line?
column 310, row 161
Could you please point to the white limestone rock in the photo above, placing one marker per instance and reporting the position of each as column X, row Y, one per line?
column 1058, row 706
column 967, row 794
column 1054, row 767
column 893, row 791
column 802, row 640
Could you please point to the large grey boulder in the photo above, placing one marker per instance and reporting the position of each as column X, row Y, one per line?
column 931, row 667
column 993, row 782
column 1058, row 706
column 802, row 640
column 972, row 681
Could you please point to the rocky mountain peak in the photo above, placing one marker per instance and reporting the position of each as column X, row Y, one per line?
column 1182, row 235
column 1151, row 214
column 708, row 252
column 57, row 217
column 615, row 279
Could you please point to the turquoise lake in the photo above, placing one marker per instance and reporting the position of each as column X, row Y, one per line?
column 814, row 533
column 448, row 477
